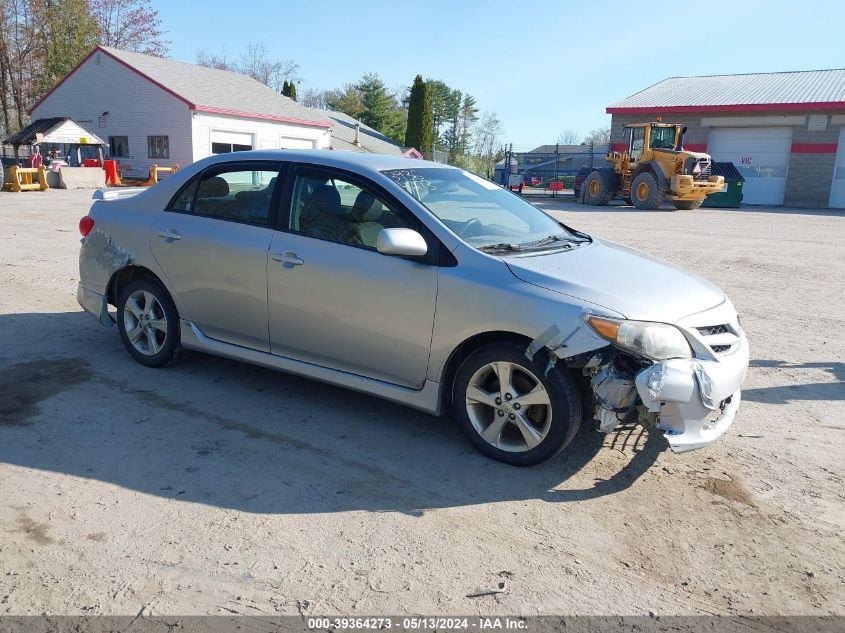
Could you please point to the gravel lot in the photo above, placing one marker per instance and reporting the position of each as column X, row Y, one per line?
column 218, row 488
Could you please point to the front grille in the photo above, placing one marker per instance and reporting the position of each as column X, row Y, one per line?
column 704, row 165
column 720, row 338
column 713, row 330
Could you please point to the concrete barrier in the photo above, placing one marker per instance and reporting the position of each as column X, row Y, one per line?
column 82, row 178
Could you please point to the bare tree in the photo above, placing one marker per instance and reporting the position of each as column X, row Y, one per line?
column 313, row 98
column 219, row 60
column 599, row 136
column 486, row 135
column 568, row 137
column 19, row 61
column 131, row 25
column 256, row 62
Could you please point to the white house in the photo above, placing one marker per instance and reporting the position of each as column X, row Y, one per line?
column 152, row 110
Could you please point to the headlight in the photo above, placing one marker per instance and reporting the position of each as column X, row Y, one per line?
column 657, row 341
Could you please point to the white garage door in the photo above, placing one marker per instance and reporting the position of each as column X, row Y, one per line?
column 287, row 142
column 761, row 154
column 224, row 142
column 837, row 190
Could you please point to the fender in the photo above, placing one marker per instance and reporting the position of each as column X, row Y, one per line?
column 654, row 167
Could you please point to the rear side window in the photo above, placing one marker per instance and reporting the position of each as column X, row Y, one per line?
column 238, row 192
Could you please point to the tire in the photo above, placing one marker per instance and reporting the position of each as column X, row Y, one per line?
column 157, row 343
column 599, row 187
column 524, row 433
column 687, row 205
column 645, row 191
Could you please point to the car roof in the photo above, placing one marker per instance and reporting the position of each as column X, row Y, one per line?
column 344, row 160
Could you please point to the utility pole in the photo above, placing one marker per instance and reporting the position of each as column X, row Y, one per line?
column 433, row 137
column 557, row 157
column 510, row 159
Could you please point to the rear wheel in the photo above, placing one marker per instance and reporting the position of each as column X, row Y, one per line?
column 510, row 409
column 645, row 191
column 148, row 323
column 686, row 205
column 599, row 187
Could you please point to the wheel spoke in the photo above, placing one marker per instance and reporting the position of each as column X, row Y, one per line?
column 150, row 304
column 152, row 342
column 530, row 434
column 493, row 433
column 135, row 333
column 158, row 324
column 477, row 395
column 134, row 308
column 503, row 371
column 537, row 395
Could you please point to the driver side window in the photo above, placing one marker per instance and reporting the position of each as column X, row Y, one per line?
column 327, row 206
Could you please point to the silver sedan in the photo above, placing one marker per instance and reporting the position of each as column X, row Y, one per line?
column 419, row 283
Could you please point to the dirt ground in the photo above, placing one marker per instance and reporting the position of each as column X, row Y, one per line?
column 214, row 487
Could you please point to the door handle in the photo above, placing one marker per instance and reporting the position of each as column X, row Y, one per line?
column 170, row 235
column 288, row 259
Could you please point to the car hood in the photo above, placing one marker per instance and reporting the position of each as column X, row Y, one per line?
column 621, row 279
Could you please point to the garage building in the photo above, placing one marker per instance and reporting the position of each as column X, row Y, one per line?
column 152, row 110
column 785, row 132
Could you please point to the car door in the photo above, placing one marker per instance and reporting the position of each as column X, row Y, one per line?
column 212, row 244
column 334, row 300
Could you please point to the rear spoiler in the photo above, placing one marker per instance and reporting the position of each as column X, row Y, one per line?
column 117, row 194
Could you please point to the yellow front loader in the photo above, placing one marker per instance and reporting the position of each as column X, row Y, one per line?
column 655, row 167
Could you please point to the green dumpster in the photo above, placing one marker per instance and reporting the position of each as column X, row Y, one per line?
column 731, row 194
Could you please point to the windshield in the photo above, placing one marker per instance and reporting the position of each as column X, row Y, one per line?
column 480, row 212
column 662, row 137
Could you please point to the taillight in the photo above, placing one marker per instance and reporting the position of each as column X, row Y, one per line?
column 86, row 223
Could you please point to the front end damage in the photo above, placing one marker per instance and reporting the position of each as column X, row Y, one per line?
column 692, row 400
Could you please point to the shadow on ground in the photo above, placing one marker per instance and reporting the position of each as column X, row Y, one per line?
column 802, row 391
column 223, row 433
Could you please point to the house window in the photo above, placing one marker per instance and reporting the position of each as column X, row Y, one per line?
column 119, row 146
column 158, row 147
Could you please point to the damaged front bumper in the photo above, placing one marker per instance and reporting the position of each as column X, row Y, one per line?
column 695, row 399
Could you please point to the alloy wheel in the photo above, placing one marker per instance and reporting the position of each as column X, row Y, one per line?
column 508, row 406
column 145, row 322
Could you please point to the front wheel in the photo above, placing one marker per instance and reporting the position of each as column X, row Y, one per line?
column 645, row 191
column 510, row 409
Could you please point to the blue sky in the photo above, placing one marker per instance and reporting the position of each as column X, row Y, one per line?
column 542, row 66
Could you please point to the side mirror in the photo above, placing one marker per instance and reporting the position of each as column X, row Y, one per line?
column 401, row 242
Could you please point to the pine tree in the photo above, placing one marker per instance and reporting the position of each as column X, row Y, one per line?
column 286, row 88
column 292, row 90
column 419, row 131
column 382, row 112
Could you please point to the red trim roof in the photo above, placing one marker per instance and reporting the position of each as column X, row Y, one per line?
column 254, row 115
column 748, row 107
column 191, row 106
column 814, row 148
